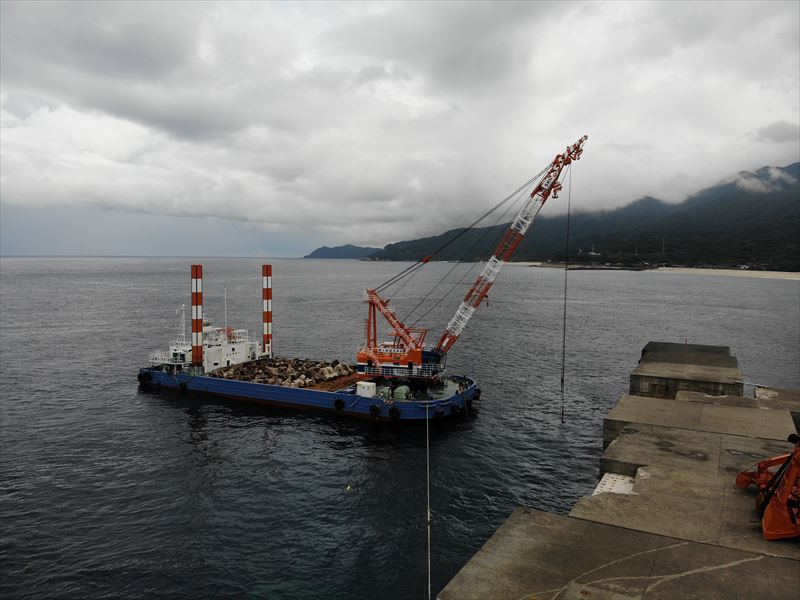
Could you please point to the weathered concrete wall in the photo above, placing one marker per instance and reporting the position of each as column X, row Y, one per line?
column 668, row 387
column 666, row 369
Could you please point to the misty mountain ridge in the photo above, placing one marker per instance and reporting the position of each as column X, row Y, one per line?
column 751, row 218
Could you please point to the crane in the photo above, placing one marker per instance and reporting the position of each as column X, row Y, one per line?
column 405, row 355
column 778, row 499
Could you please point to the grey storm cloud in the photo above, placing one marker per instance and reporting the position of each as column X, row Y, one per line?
column 374, row 122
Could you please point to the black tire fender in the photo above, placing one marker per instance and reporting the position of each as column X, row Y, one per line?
column 338, row 404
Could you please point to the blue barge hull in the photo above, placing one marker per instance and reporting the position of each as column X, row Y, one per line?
column 343, row 401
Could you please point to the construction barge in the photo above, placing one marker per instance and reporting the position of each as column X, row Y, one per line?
column 402, row 379
column 230, row 363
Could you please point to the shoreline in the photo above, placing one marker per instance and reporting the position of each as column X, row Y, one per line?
column 785, row 275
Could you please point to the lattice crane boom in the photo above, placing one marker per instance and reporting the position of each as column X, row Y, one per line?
column 548, row 185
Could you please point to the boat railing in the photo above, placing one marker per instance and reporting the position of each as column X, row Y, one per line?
column 161, row 357
column 180, row 344
column 398, row 371
column 220, row 336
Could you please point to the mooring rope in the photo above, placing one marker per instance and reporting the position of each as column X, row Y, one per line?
column 428, row 480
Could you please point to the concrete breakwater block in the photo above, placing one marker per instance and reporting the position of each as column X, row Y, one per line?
column 666, row 369
column 696, row 416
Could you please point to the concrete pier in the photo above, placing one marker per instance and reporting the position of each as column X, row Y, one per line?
column 666, row 520
column 665, row 369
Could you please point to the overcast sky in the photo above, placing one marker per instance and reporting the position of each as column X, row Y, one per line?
column 273, row 128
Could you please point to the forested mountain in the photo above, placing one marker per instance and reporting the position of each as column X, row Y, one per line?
column 748, row 219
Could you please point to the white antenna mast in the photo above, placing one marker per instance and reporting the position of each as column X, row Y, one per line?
column 182, row 324
column 226, row 309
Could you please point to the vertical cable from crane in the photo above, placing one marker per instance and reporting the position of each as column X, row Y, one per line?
column 428, row 480
column 566, row 271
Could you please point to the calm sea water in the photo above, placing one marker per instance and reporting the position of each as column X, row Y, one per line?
column 110, row 491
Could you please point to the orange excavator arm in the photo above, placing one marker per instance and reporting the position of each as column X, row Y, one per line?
column 778, row 500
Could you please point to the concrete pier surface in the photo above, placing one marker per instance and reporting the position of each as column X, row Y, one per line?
column 540, row 556
column 666, row 520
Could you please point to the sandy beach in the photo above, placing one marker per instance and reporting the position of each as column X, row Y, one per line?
column 732, row 273
column 790, row 275
column 525, row 263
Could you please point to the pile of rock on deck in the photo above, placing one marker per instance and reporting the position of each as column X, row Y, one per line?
column 288, row 372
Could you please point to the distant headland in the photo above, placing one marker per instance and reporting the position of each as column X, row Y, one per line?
column 346, row 251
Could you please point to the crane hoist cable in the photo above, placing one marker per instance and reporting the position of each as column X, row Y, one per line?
column 549, row 184
column 511, row 208
column 403, row 283
column 463, row 258
column 566, row 271
column 421, row 262
column 402, row 274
